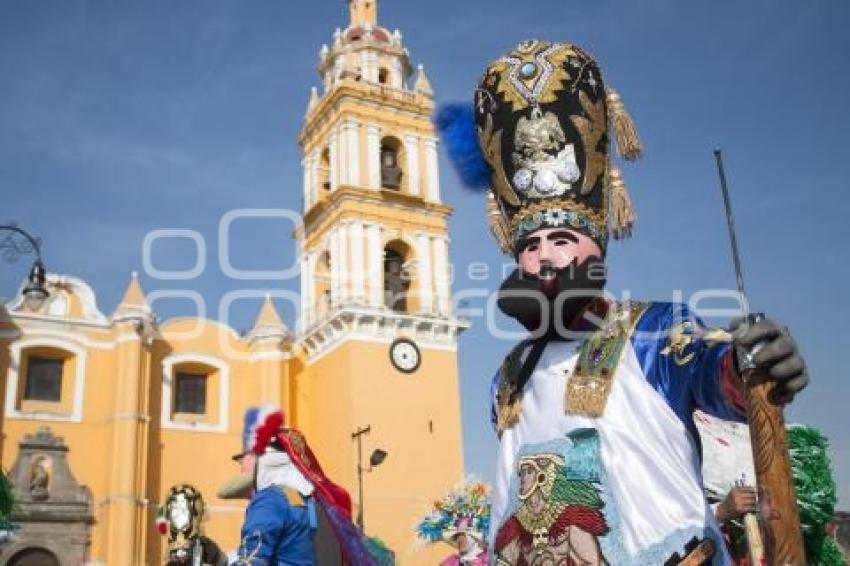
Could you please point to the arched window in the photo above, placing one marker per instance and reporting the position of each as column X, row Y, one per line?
column 324, row 172
column 392, row 174
column 43, row 380
column 396, row 276
column 196, row 392
column 322, row 279
column 192, row 383
column 47, row 380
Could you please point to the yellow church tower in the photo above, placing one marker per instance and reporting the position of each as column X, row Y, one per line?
column 377, row 329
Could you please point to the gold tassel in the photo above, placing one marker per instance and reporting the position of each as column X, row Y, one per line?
column 625, row 132
column 498, row 226
column 622, row 215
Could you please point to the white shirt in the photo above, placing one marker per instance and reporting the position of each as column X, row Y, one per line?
column 651, row 485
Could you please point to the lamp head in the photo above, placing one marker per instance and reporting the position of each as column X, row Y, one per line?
column 35, row 292
column 377, row 458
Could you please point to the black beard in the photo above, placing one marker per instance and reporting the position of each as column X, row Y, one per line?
column 548, row 309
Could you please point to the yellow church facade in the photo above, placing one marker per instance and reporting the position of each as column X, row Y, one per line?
column 142, row 405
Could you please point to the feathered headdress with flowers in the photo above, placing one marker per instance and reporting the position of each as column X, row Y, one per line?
column 466, row 509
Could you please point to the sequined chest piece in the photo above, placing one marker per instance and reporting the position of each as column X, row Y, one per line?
column 588, row 388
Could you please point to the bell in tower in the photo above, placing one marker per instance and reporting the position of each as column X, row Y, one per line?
column 396, row 281
column 390, row 171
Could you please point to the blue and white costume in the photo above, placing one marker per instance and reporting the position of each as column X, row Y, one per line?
column 278, row 529
column 281, row 520
column 630, row 477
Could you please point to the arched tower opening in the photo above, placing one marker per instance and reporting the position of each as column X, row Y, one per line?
column 397, row 276
column 323, row 284
column 392, row 172
column 324, row 173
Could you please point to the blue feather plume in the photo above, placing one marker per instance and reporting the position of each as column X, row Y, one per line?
column 455, row 122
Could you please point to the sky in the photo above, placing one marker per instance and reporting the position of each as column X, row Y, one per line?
column 121, row 118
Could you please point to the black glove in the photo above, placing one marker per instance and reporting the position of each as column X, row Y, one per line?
column 773, row 351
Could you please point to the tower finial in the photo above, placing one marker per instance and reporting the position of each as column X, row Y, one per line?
column 364, row 13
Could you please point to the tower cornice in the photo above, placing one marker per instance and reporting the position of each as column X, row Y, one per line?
column 379, row 325
column 358, row 92
column 334, row 206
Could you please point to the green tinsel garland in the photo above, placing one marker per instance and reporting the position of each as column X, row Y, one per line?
column 815, row 488
column 830, row 554
column 7, row 503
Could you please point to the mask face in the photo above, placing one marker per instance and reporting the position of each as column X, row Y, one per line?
column 178, row 512
column 545, row 251
column 277, row 468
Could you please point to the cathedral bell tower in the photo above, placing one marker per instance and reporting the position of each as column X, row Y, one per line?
column 377, row 329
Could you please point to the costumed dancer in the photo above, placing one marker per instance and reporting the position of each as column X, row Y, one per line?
column 282, row 518
column 598, row 461
column 461, row 519
column 180, row 519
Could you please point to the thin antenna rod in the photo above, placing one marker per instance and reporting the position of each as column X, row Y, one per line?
column 730, row 222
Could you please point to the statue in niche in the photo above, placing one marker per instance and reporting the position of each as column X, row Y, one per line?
column 39, row 479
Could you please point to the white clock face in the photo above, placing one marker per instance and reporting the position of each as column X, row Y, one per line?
column 405, row 355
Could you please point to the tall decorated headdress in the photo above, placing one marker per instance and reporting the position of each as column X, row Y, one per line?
column 537, row 136
column 466, row 509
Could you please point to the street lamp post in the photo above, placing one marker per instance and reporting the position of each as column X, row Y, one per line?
column 15, row 242
column 375, row 459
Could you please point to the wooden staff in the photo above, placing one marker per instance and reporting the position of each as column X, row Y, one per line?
column 777, row 500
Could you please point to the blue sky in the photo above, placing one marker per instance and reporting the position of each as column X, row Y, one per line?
column 118, row 118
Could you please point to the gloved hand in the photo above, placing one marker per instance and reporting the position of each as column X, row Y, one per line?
column 774, row 352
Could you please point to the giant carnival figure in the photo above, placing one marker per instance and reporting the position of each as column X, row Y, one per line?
column 291, row 494
column 598, row 460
